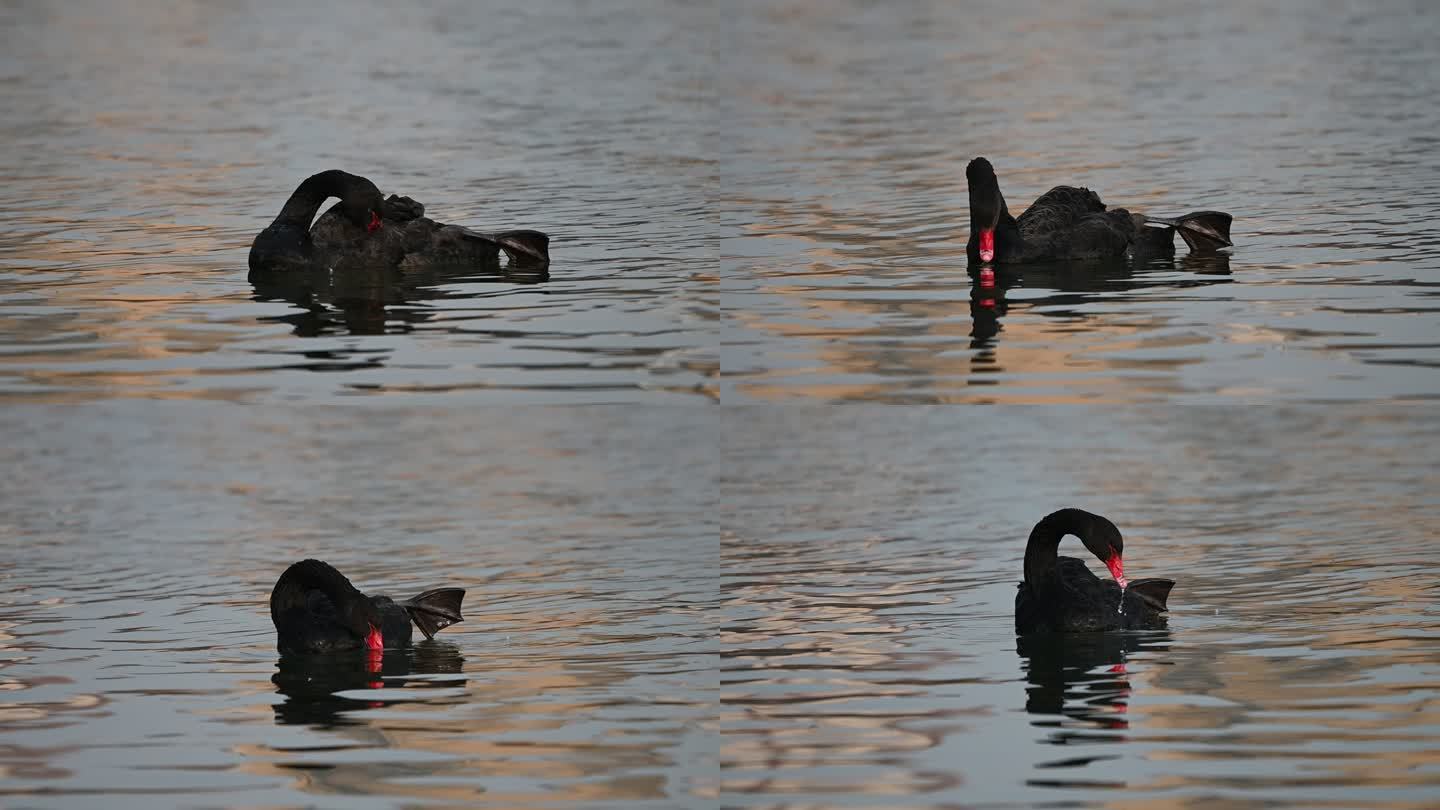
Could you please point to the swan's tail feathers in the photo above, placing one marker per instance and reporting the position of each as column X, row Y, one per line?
column 1203, row 231
column 523, row 247
column 1153, row 591
column 433, row 611
column 402, row 209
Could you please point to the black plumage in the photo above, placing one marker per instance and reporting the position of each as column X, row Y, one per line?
column 367, row 230
column 315, row 609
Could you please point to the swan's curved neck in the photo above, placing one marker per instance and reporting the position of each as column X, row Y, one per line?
column 1041, row 550
column 307, row 198
column 990, row 215
column 987, row 205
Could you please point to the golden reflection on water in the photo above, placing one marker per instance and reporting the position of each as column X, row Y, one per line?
column 474, row 740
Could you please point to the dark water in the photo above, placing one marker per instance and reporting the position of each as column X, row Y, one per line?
column 144, row 149
column 1312, row 122
column 869, row 656
column 137, row 661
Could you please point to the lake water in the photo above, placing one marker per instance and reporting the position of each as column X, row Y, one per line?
column 778, row 603
column 845, row 203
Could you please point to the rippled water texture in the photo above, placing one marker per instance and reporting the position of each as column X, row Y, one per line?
column 1314, row 123
column 868, row 644
column 145, row 145
column 137, row 659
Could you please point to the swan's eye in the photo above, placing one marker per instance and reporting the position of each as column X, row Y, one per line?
column 374, row 223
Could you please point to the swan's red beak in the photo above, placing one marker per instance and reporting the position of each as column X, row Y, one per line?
column 375, row 656
column 374, row 223
column 987, row 245
column 1117, row 570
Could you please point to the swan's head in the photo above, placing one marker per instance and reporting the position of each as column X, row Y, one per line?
column 362, row 619
column 363, row 204
column 979, row 169
column 986, row 203
column 1104, row 541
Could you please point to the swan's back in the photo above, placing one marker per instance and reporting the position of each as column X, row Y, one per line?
column 1080, row 602
column 1057, row 210
column 1072, row 223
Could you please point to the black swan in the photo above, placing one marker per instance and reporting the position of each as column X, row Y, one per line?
column 1060, row 594
column 367, row 229
column 1071, row 223
column 317, row 610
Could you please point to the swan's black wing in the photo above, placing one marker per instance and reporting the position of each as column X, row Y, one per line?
column 1101, row 236
column 1072, row 223
column 1075, row 601
column 1057, row 211
column 341, row 244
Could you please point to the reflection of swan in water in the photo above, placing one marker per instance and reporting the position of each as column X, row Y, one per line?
column 1081, row 677
column 1074, row 283
column 313, row 684
column 362, row 301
